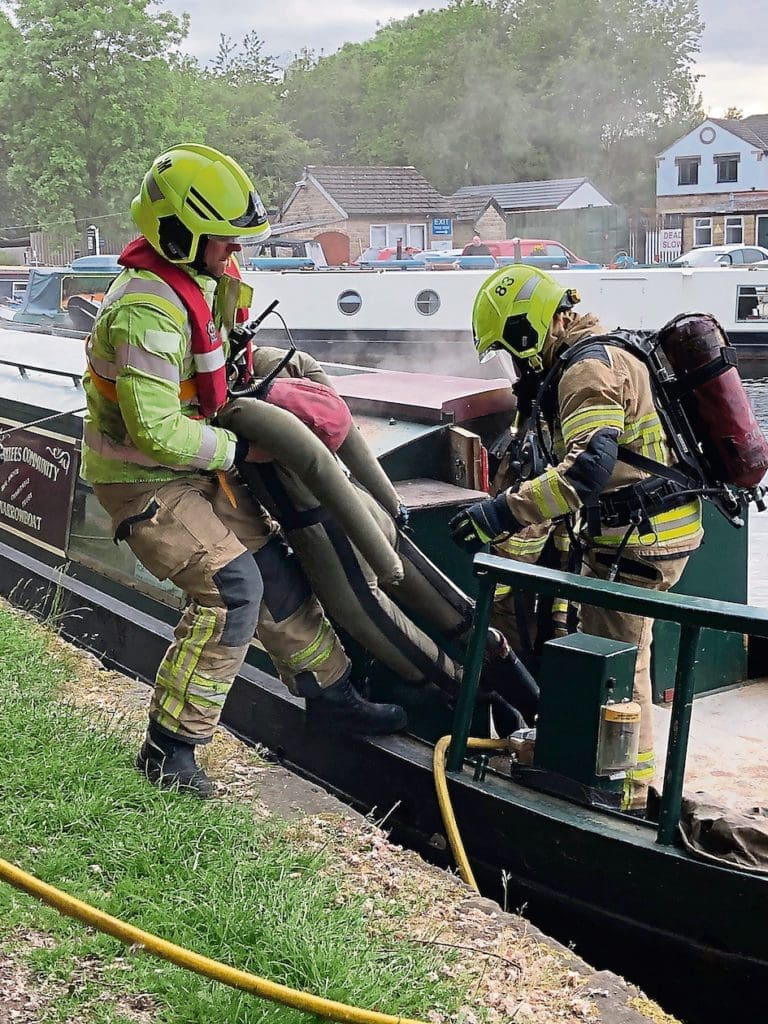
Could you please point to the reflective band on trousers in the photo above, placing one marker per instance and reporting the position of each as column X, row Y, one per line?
column 315, row 653
column 179, row 681
column 639, row 777
column 677, row 524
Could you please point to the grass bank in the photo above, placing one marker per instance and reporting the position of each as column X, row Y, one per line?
column 265, row 878
column 208, row 876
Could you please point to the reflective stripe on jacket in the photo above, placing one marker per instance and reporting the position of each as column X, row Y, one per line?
column 608, row 389
column 142, row 422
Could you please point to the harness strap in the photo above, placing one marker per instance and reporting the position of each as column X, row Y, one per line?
column 642, row 462
column 695, row 378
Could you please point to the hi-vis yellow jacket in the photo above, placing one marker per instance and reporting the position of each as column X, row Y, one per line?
column 142, row 422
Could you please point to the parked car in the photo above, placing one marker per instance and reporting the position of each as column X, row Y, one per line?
column 285, row 250
column 546, row 251
column 721, row 256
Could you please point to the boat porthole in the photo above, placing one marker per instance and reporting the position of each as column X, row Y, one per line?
column 349, row 303
column 427, row 302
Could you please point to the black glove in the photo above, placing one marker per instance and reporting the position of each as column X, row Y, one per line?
column 477, row 525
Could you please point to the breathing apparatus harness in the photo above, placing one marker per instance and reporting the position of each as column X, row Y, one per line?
column 666, row 487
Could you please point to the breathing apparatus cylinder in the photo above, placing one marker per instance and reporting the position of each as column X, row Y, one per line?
column 714, row 400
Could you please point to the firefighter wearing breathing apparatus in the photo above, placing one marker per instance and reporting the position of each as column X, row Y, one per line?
column 163, row 469
column 598, row 404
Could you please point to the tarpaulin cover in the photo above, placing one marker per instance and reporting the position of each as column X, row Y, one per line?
column 736, row 839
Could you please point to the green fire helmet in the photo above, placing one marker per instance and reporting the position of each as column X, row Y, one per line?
column 513, row 310
column 193, row 191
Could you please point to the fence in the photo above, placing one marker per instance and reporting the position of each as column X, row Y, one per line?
column 48, row 250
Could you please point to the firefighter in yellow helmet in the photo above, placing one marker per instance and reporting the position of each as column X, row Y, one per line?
column 598, row 403
column 161, row 468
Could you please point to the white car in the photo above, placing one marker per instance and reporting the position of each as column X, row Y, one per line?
column 721, row 255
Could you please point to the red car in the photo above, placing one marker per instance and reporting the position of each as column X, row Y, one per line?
column 537, row 247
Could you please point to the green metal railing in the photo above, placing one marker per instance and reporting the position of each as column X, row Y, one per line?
column 691, row 613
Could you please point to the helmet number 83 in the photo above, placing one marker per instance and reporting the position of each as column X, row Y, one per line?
column 501, row 287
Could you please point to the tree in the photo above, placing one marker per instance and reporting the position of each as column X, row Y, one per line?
column 504, row 90
column 237, row 100
column 243, row 119
column 91, row 95
column 733, row 114
column 246, row 63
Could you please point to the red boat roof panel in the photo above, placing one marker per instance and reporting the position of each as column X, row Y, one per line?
column 423, row 397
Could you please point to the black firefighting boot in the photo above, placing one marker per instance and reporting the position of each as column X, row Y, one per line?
column 169, row 763
column 340, row 707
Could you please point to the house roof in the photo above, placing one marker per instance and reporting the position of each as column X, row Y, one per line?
column 471, row 207
column 525, row 195
column 753, row 129
column 366, row 191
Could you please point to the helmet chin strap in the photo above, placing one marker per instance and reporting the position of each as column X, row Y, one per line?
column 198, row 263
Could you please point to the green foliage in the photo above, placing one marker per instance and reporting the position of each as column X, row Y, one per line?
column 207, row 876
column 241, row 116
column 480, row 91
column 506, row 90
column 246, row 63
column 89, row 96
column 11, row 258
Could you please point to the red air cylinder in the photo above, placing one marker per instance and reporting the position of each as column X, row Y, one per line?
column 714, row 399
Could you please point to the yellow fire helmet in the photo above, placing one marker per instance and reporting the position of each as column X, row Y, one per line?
column 513, row 310
column 191, row 192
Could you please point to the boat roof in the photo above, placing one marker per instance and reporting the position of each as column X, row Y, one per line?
column 42, row 370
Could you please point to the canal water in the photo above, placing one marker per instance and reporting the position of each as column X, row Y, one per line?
column 757, row 388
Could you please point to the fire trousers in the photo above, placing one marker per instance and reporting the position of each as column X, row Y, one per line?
column 657, row 567
column 239, row 578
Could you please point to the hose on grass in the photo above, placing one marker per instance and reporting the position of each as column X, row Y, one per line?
column 444, row 799
column 261, row 987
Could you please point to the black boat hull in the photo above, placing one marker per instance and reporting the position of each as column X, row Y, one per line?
column 690, row 933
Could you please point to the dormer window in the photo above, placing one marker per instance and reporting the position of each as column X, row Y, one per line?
column 688, row 170
column 727, row 167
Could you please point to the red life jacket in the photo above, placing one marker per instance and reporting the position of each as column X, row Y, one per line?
column 211, row 384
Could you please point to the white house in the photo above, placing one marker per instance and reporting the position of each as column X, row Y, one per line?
column 712, row 183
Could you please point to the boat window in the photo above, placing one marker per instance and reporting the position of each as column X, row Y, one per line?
column 752, row 302
column 427, row 302
column 349, row 303
column 92, row 286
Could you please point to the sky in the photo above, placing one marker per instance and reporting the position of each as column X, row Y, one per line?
column 732, row 59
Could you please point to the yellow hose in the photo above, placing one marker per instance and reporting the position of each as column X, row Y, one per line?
column 303, row 1001
column 444, row 800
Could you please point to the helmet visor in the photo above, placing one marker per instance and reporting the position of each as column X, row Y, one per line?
column 255, row 214
column 491, row 352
